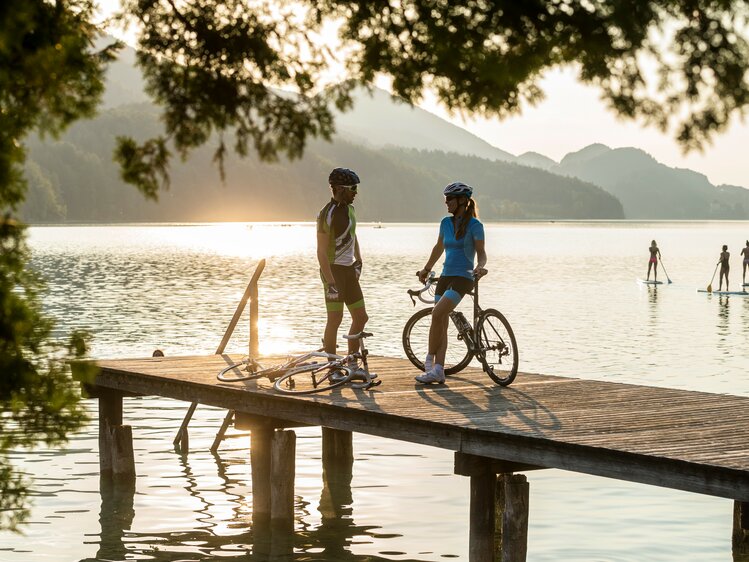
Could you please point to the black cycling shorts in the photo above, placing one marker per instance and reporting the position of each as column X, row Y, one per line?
column 453, row 287
column 349, row 290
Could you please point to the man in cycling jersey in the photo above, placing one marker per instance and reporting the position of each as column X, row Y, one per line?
column 339, row 259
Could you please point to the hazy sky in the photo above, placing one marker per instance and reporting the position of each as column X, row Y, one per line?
column 572, row 117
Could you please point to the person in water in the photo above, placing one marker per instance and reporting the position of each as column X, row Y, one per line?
column 655, row 253
column 745, row 253
column 461, row 237
column 724, row 267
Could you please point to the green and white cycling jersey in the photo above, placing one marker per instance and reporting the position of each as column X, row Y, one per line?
column 338, row 220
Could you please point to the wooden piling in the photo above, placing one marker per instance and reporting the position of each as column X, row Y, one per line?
column 481, row 546
column 110, row 415
column 260, row 463
column 740, row 536
column 122, row 456
column 283, row 454
column 511, row 531
column 337, row 454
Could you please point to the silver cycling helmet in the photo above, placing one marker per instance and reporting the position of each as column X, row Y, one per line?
column 458, row 188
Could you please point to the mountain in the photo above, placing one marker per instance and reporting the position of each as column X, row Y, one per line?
column 536, row 160
column 74, row 179
column 648, row 189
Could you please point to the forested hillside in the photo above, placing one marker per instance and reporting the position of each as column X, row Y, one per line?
column 648, row 189
column 74, row 179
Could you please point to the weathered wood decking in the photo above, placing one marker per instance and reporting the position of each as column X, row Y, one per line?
column 691, row 441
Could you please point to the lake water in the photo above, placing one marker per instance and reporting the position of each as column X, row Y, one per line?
column 570, row 292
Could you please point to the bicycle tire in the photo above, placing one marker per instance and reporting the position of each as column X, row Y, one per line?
column 286, row 384
column 497, row 347
column 250, row 376
column 416, row 342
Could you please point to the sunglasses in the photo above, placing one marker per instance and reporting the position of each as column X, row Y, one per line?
column 351, row 188
column 451, row 197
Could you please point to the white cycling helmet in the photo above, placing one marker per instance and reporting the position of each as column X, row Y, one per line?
column 458, row 188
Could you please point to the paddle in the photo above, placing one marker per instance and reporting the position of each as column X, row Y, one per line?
column 710, row 285
column 666, row 272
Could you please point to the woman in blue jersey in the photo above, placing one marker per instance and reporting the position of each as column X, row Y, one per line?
column 461, row 237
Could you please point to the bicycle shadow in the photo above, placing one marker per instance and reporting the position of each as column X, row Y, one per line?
column 513, row 408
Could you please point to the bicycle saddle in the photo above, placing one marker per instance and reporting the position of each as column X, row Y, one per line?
column 359, row 336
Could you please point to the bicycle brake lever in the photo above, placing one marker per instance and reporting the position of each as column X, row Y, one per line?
column 411, row 294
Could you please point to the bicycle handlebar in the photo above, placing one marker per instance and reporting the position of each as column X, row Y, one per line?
column 431, row 280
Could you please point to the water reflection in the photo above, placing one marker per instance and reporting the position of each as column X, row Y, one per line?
column 330, row 541
column 723, row 325
column 116, row 517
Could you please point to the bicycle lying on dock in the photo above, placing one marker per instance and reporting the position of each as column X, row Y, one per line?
column 489, row 338
column 308, row 373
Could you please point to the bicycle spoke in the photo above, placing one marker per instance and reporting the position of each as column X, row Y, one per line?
column 498, row 349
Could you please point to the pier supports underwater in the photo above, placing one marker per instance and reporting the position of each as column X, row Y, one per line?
column 498, row 509
column 116, row 458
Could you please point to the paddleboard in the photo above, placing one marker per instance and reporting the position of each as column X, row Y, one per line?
column 742, row 293
column 645, row 282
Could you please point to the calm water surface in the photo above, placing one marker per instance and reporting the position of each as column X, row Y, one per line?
column 569, row 290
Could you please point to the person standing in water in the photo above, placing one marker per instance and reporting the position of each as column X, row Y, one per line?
column 461, row 237
column 655, row 253
column 724, row 267
column 745, row 253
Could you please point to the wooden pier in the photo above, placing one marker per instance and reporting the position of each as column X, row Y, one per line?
column 692, row 441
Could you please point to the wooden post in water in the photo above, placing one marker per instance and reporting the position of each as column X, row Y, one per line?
column 337, row 454
column 116, row 458
column 481, row 546
column 511, row 531
column 123, row 458
column 283, row 467
column 498, row 508
column 110, row 415
column 740, row 537
column 260, row 463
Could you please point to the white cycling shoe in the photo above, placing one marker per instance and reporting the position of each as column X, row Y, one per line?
column 432, row 376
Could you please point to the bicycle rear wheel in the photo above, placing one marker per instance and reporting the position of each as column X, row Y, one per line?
column 416, row 343
column 243, row 371
column 498, row 350
column 304, row 380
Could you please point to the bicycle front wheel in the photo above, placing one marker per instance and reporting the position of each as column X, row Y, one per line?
column 416, row 343
column 305, row 380
column 498, row 350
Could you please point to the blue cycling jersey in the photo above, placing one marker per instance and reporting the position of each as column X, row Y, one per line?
column 459, row 254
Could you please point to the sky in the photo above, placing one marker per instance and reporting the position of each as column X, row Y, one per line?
column 572, row 117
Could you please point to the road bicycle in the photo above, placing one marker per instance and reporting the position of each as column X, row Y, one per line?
column 308, row 373
column 489, row 338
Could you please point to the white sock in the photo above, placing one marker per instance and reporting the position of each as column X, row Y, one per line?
column 428, row 362
column 439, row 369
